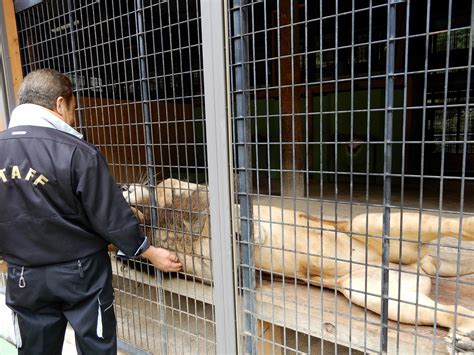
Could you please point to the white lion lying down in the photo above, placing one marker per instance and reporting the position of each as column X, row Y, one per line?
column 183, row 226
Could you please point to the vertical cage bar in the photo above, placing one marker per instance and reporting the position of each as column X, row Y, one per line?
column 145, row 100
column 215, row 87
column 464, row 173
column 387, row 171
column 75, row 61
column 243, row 126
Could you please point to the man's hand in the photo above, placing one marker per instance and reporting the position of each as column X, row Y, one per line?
column 163, row 259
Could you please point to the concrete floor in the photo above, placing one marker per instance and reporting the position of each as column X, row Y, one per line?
column 7, row 348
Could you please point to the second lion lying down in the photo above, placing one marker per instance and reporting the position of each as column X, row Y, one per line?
column 305, row 247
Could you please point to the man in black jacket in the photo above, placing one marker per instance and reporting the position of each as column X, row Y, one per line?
column 60, row 208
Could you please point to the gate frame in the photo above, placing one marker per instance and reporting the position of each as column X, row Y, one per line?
column 10, row 64
column 216, row 90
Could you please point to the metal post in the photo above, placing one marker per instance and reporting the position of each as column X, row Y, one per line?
column 145, row 100
column 7, row 96
column 76, row 65
column 387, row 195
column 239, row 15
column 217, row 128
column 4, row 102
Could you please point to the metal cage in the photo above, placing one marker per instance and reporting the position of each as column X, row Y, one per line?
column 277, row 129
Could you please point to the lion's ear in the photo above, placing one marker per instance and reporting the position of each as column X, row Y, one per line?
column 139, row 214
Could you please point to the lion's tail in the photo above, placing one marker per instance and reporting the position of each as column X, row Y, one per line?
column 341, row 226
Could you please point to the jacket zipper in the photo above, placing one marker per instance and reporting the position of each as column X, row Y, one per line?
column 21, row 282
column 81, row 271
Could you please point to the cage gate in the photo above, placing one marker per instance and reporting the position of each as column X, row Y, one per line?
column 329, row 142
column 338, row 156
column 137, row 71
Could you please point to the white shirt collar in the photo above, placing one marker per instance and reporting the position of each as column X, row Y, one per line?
column 35, row 115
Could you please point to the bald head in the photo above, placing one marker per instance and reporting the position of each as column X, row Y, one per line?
column 43, row 87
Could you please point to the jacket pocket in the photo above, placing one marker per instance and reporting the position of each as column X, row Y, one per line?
column 17, row 292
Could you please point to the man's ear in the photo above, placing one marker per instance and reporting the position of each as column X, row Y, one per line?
column 60, row 105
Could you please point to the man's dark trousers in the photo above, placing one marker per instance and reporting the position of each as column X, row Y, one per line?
column 79, row 292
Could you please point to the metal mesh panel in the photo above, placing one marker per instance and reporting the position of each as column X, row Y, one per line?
column 352, row 131
column 137, row 72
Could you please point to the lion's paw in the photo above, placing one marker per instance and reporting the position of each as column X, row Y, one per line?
column 463, row 343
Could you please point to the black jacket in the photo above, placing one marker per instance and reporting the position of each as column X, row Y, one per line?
column 58, row 201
